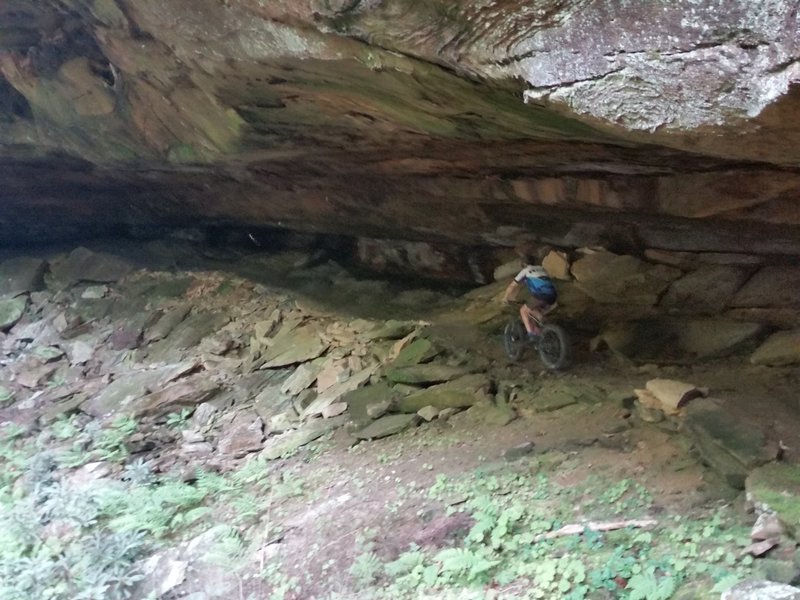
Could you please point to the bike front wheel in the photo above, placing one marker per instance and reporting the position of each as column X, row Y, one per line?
column 554, row 347
column 514, row 337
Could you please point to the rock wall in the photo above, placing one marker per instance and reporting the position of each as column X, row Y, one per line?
column 404, row 119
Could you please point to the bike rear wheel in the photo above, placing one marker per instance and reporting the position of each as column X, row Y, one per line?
column 554, row 347
column 514, row 338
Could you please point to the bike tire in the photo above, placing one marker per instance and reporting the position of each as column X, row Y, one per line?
column 514, row 339
column 554, row 347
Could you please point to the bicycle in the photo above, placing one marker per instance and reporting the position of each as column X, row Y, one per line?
column 552, row 343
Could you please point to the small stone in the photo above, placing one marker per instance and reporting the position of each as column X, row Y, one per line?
column 377, row 409
column 283, row 422
column 767, row 526
column 446, row 413
column 334, row 410
column 760, row 548
column 244, row 435
column 429, row 413
column 6, row 395
column 11, row 311
column 197, row 448
column 649, row 414
column 79, row 352
column 190, row 436
column 203, row 415
column 95, row 292
column 518, row 451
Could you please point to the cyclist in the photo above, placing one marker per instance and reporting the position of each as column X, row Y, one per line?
column 542, row 290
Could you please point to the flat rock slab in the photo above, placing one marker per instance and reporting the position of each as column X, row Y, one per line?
column 761, row 590
column 120, row 394
column 11, row 311
column 730, row 447
column 386, row 426
column 21, row 275
column 419, row 351
column 391, row 330
column 187, row 392
column 285, row 444
column 83, row 264
column 776, row 487
column 337, row 392
column 302, row 378
column 555, row 395
column 424, row 374
column 166, row 323
column 780, row 349
column 194, row 328
column 294, row 346
column 459, row 393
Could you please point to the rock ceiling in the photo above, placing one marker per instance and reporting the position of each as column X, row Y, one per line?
column 479, row 121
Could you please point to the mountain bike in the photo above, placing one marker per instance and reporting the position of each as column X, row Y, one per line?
column 552, row 343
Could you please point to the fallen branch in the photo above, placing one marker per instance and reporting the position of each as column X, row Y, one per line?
column 579, row 528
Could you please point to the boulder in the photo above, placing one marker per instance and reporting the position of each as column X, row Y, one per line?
column 334, row 410
column 776, row 488
column 294, row 346
column 770, row 287
column 706, row 290
column 678, row 340
column 21, row 275
column 761, row 590
column 556, row 263
column 244, row 435
column 508, row 270
column 424, row 374
column 730, row 447
column 622, row 279
column 11, row 311
column 781, row 348
column 83, row 264
column 386, row 426
column 459, row 393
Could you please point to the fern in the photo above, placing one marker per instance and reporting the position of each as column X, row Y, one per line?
column 405, row 563
column 646, row 586
column 365, row 568
column 462, row 562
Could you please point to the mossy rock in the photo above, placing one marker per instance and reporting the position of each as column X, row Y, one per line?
column 419, row 351
column 777, row 486
column 11, row 311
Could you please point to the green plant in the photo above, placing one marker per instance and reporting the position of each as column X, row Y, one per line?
column 178, row 420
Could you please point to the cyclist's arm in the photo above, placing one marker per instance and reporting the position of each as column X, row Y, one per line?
column 511, row 291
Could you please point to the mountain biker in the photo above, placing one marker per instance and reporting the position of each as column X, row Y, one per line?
column 543, row 292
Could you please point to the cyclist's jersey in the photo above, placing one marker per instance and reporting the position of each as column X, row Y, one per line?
column 538, row 282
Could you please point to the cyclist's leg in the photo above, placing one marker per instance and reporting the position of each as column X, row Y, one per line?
column 528, row 315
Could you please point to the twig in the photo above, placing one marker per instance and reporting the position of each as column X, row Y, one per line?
column 579, row 528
